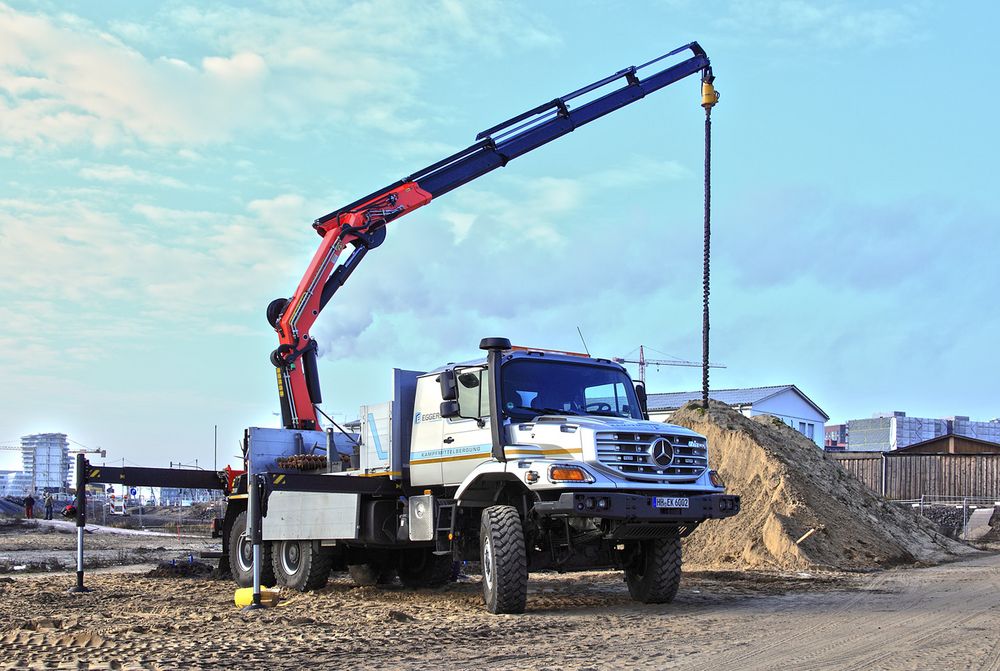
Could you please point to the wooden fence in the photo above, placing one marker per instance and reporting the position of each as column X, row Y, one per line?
column 906, row 477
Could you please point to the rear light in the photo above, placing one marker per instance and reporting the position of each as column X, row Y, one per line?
column 568, row 474
column 716, row 479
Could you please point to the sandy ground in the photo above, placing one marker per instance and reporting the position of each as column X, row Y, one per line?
column 944, row 617
column 51, row 545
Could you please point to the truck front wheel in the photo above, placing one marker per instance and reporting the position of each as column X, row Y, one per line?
column 504, row 560
column 241, row 555
column 654, row 573
column 300, row 565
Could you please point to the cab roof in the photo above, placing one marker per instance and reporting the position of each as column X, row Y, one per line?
column 539, row 355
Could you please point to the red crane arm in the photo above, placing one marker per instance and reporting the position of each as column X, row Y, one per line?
column 295, row 359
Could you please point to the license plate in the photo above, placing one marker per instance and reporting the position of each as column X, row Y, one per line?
column 670, row 502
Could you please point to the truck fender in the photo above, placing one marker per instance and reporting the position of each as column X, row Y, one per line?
column 489, row 483
column 234, row 506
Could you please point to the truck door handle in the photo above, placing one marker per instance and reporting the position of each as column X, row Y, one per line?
column 449, row 439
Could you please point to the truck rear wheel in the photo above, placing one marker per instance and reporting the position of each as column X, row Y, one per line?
column 654, row 574
column 423, row 568
column 241, row 555
column 504, row 560
column 300, row 565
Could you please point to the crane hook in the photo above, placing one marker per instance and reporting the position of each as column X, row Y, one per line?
column 709, row 96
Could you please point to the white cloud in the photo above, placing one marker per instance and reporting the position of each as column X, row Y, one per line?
column 123, row 174
column 530, row 259
column 819, row 24
column 77, row 274
column 65, row 80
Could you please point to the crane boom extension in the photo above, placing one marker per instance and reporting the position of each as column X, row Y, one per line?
column 361, row 224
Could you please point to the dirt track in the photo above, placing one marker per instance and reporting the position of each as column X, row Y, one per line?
column 945, row 617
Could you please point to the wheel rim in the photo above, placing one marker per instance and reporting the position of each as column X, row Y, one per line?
column 245, row 554
column 291, row 557
column 488, row 563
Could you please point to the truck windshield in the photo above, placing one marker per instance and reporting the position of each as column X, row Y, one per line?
column 532, row 387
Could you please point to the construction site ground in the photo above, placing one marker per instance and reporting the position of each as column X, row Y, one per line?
column 50, row 545
column 817, row 572
column 945, row 616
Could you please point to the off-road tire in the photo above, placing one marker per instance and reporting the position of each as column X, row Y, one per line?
column 504, row 560
column 300, row 565
column 241, row 556
column 371, row 574
column 655, row 573
column 422, row 568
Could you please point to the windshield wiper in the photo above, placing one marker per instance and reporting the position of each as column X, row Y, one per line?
column 605, row 413
column 543, row 411
column 556, row 411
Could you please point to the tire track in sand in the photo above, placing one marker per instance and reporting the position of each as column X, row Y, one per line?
column 739, row 660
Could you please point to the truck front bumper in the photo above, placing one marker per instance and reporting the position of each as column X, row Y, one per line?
column 639, row 507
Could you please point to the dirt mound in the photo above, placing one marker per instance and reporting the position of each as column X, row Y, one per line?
column 789, row 488
column 950, row 520
column 181, row 569
column 11, row 507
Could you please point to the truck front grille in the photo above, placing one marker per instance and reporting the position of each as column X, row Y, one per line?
column 631, row 455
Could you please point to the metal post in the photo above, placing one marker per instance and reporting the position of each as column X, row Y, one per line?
column 965, row 519
column 256, row 536
column 81, row 519
column 884, row 474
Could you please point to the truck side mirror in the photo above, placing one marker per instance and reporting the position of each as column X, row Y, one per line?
column 449, row 409
column 449, row 388
column 640, row 393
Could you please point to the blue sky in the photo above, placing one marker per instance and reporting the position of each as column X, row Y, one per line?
column 162, row 162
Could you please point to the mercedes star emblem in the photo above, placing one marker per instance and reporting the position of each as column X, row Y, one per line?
column 661, row 451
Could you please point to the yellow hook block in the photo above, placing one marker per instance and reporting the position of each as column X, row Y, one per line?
column 709, row 96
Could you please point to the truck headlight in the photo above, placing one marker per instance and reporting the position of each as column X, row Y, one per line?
column 559, row 473
column 716, row 479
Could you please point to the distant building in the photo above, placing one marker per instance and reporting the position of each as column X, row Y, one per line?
column 786, row 402
column 952, row 444
column 836, row 437
column 6, row 483
column 175, row 496
column 46, row 461
column 893, row 431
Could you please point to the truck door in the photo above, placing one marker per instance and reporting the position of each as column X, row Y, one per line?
column 425, row 438
column 466, row 443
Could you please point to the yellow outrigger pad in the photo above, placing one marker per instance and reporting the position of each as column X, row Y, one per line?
column 244, row 597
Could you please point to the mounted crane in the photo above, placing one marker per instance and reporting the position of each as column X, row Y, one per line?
column 362, row 223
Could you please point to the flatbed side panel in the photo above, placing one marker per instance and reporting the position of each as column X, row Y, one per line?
column 377, row 439
column 268, row 445
column 404, row 386
column 311, row 516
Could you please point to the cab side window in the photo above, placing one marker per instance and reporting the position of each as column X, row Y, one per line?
column 473, row 393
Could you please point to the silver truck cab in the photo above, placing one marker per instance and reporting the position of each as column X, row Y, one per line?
column 557, row 410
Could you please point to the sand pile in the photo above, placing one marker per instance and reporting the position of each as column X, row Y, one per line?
column 789, row 487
